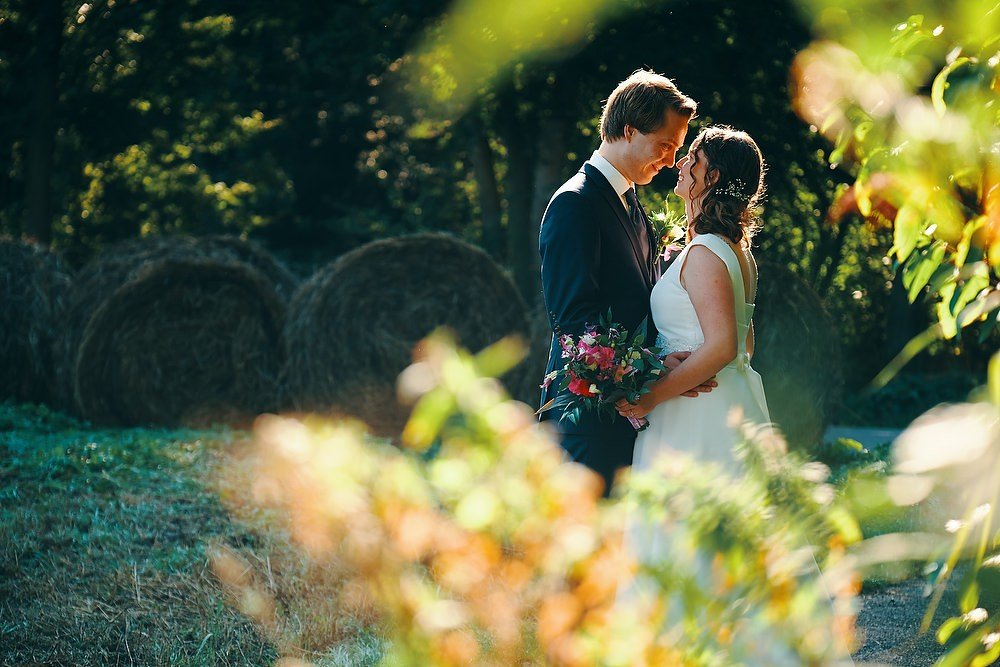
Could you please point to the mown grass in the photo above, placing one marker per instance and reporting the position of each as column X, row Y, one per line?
column 109, row 543
column 106, row 543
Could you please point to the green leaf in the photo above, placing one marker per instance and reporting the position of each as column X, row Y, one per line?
column 921, row 267
column 947, row 629
column 976, row 283
column 427, row 419
column 963, row 654
column 994, row 379
column 962, row 251
column 906, row 231
column 969, row 599
column 941, row 84
column 949, row 327
column 988, row 658
column 837, row 154
column 944, row 276
column 501, row 356
column 979, row 307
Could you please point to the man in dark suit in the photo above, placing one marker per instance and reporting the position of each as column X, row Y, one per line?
column 597, row 246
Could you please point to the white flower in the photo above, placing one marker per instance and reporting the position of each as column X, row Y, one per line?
column 991, row 639
column 953, row 526
column 992, row 561
column 588, row 339
column 594, row 389
column 977, row 615
column 980, row 513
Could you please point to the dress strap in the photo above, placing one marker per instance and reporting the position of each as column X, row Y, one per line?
column 726, row 253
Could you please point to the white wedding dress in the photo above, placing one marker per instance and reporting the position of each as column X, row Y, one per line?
column 700, row 426
column 706, row 428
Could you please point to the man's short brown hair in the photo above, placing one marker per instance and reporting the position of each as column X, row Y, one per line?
column 642, row 101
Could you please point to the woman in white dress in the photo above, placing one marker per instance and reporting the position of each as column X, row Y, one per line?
column 703, row 303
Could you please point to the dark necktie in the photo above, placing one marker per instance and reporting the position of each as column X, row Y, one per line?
column 635, row 215
column 634, row 212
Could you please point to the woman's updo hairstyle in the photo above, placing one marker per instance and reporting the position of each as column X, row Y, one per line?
column 730, row 205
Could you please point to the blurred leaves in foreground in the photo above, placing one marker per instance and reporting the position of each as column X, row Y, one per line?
column 912, row 109
column 911, row 106
column 476, row 543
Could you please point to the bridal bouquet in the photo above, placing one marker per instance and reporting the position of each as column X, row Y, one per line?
column 603, row 365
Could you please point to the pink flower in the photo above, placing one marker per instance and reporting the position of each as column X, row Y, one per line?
column 597, row 356
column 581, row 387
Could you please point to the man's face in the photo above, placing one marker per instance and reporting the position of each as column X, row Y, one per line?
column 647, row 154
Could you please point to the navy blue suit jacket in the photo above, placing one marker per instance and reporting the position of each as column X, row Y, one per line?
column 594, row 258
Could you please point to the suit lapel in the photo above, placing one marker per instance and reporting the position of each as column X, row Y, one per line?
column 595, row 176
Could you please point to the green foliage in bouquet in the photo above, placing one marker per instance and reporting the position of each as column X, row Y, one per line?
column 605, row 364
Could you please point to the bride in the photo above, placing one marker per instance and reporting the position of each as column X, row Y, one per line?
column 703, row 304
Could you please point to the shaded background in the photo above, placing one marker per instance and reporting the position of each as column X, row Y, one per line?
column 291, row 124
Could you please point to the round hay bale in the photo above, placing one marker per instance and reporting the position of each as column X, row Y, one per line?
column 183, row 341
column 121, row 264
column 537, row 359
column 98, row 280
column 352, row 327
column 33, row 287
column 256, row 256
column 798, row 354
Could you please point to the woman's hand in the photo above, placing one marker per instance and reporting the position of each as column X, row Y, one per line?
column 639, row 409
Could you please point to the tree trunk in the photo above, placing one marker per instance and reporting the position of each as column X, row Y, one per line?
column 551, row 156
column 518, row 134
column 522, row 244
column 43, row 72
column 486, row 183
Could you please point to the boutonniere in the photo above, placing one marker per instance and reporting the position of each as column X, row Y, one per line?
column 671, row 232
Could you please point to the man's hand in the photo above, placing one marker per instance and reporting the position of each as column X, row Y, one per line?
column 674, row 359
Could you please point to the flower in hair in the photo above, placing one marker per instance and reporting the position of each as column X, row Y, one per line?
column 737, row 188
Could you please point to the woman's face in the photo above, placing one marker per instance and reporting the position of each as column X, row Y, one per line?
column 692, row 178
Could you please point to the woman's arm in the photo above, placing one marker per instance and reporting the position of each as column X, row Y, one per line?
column 706, row 279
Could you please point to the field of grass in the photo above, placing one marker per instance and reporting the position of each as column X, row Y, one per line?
column 147, row 547
column 106, row 544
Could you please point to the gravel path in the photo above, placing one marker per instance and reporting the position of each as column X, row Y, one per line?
column 889, row 617
column 889, row 620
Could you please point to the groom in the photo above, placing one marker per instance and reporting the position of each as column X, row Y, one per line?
column 598, row 248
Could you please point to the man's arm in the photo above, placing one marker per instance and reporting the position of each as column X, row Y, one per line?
column 570, row 248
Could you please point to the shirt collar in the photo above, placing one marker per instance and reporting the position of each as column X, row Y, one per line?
column 618, row 182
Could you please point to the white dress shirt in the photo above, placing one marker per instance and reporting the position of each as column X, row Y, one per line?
column 618, row 182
